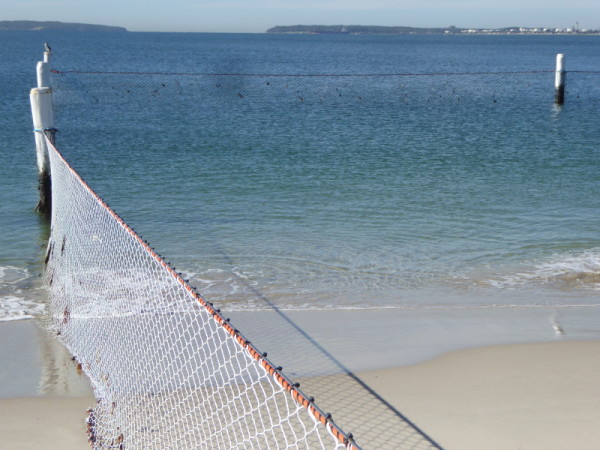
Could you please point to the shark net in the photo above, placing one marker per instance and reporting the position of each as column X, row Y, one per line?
column 168, row 370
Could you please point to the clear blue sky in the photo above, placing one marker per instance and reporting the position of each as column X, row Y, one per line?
column 259, row 15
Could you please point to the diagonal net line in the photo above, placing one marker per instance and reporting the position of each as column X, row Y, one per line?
column 168, row 370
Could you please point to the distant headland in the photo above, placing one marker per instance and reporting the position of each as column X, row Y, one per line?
column 33, row 25
column 365, row 29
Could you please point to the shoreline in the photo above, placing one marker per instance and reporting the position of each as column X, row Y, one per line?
column 330, row 341
column 335, row 341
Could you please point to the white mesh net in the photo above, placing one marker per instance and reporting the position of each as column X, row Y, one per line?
column 167, row 369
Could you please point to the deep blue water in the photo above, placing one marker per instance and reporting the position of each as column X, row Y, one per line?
column 327, row 191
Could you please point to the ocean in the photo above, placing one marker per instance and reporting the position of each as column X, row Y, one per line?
column 321, row 171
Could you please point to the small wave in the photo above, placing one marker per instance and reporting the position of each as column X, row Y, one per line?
column 15, row 308
column 10, row 275
column 259, row 306
column 18, row 294
column 563, row 272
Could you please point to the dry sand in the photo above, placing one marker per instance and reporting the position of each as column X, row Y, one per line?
column 49, row 423
column 528, row 396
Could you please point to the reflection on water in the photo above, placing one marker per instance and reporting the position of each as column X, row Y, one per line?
column 60, row 374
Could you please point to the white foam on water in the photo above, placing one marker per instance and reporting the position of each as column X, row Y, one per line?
column 18, row 294
column 567, row 272
column 564, row 279
column 16, row 308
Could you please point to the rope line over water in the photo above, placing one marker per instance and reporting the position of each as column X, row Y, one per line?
column 299, row 75
column 435, row 88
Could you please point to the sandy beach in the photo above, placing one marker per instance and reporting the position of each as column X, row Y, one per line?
column 528, row 396
column 43, row 398
column 52, row 423
column 519, row 396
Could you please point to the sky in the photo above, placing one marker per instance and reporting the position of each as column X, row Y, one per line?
column 256, row 16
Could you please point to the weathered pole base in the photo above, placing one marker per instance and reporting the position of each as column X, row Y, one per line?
column 559, row 96
column 45, row 187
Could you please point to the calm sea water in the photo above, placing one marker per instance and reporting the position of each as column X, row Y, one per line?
column 318, row 191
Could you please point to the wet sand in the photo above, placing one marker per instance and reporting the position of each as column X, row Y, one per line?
column 33, row 363
column 43, row 398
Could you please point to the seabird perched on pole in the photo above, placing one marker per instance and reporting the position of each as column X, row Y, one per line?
column 47, row 47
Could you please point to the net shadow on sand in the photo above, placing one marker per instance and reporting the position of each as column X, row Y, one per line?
column 355, row 406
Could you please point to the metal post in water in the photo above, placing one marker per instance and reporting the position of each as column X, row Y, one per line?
column 42, row 112
column 559, row 80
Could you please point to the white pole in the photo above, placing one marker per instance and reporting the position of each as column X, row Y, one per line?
column 43, row 74
column 42, row 112
column 43, row 121
column 559, row 80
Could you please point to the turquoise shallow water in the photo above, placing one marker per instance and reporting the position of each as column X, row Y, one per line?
column 403, row 191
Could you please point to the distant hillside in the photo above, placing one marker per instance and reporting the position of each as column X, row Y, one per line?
column 32, row 25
